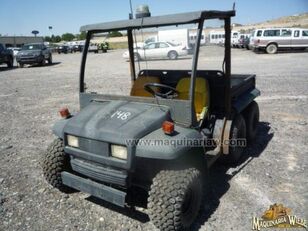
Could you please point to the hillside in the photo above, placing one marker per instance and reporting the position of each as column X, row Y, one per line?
column 299, row 20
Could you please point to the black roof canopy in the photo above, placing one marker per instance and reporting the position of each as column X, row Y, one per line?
column 166, row 20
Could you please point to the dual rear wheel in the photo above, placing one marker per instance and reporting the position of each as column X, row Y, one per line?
column 243, row 130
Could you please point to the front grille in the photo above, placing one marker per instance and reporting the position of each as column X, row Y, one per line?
column 27, row 56
column 99, row 172
column 94, row 146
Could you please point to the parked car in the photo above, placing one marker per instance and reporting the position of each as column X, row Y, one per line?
column 158, row 50
column 246, row 42
column 93, row 48
column 77, row 48
column 242, row 40
column 15, row 50
column 272, row 39
column 64, row 49
column 6, row 56
column 34, row 53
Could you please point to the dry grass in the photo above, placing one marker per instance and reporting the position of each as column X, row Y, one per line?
column 118, row 45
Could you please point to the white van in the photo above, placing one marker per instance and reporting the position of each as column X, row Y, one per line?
column 218, row 37
column 193, row 38
column 271, row 39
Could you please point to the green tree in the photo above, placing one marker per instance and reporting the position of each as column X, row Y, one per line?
column 55, row 39
column 115, row 34
column 47, row 39
column 81, row 36
column 68, row 37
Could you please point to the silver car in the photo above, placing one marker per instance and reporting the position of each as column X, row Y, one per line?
column 158, row 50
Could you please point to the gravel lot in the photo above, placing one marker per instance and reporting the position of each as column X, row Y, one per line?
column 274, row 169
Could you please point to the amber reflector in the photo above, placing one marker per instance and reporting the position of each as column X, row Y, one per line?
column 64, row 112
column 168, row 127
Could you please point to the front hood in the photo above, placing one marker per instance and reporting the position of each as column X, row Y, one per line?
column 116, row 121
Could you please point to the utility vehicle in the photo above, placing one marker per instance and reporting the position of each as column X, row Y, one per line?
column 92, row 154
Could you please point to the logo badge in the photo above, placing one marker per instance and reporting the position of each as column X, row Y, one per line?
column 278, row 216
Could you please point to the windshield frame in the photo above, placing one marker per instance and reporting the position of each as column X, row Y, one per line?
column 188, row 104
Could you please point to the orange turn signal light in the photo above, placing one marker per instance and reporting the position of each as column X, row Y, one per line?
column 65, row 113
column 168, row 127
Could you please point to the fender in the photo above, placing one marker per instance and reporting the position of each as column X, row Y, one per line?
column 58, row 127
column 245, row 99
column 158, row 145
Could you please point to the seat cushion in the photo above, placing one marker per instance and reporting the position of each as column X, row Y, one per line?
column 201, row 92
column 138, row 86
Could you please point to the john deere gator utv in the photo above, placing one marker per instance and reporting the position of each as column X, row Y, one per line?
column 104, row 149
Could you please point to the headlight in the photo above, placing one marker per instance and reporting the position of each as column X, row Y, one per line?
column 72, row 141
column 119, row 151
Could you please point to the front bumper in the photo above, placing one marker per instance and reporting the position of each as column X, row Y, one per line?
column 102, row 191
column 99, row 172
column 29, row 60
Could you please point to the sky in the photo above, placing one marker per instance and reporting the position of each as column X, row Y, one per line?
column 20, row 17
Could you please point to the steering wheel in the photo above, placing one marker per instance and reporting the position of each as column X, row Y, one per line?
column 172, row 93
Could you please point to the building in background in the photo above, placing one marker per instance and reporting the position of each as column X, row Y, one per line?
column 18, row 41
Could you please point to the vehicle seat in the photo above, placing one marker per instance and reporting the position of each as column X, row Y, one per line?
column 202, row 94
column 138, row 86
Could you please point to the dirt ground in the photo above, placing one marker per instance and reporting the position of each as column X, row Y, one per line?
column 273, row 170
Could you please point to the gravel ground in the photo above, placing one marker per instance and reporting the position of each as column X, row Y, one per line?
column 274, row 169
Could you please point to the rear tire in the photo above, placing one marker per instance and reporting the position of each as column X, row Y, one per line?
column 175, row 198
column 251, row 116
column 54, row 162
column 237, row 131
column 271, row 48
column 172, row 55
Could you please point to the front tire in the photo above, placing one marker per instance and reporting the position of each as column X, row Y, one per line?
column 54, row 162
column 50, row 59
column 172, row 55
column 43, row 62
column 137, row 57
column 175, row 198
column 271, row 48
column 21, row 65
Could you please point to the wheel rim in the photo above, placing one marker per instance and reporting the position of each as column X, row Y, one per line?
column 271, row 48
column 172, row 55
